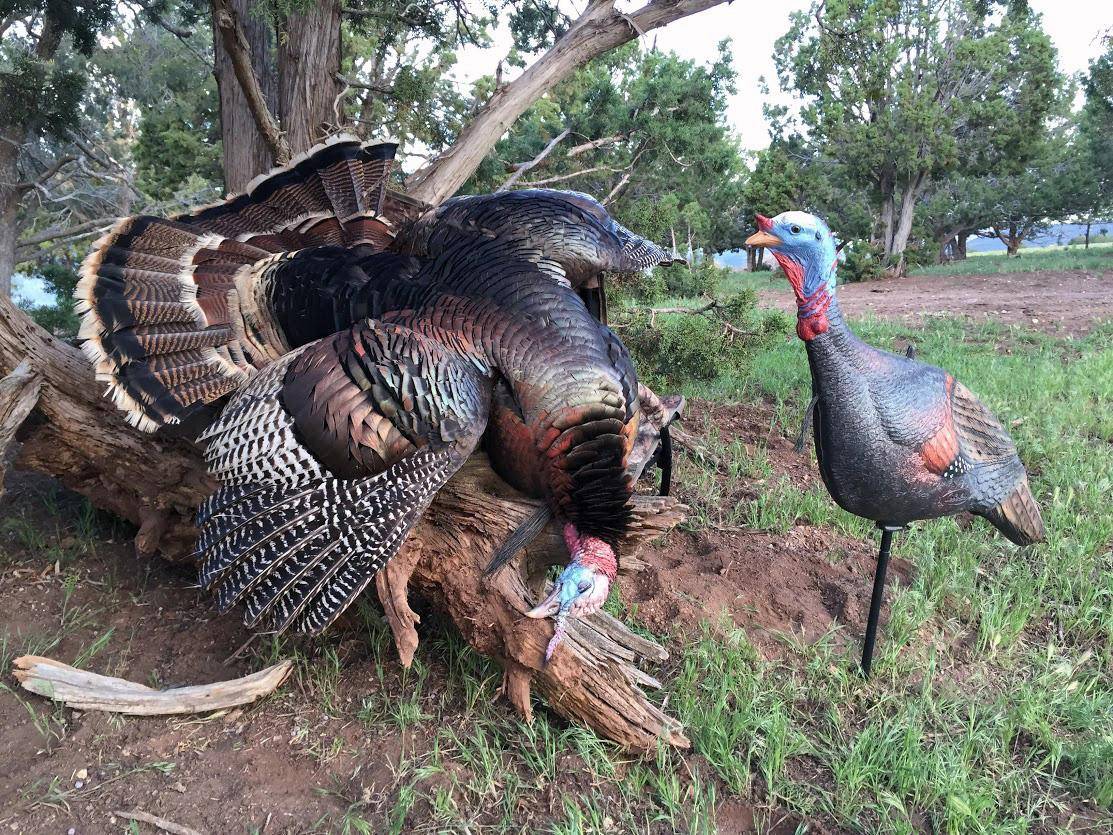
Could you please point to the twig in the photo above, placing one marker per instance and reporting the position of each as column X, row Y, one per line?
column 523, row 167
column 161, row 823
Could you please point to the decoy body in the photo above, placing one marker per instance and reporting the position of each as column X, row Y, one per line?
column 896, row 439
column 367, row 354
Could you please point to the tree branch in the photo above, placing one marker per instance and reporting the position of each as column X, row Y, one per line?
column 599, row 29
column 522, row 167
column 235, row 43
column 50, row 171
column 56, row 232
column 576, row 150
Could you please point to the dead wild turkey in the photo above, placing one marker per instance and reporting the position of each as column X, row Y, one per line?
column 367, row 354
column 896, row 439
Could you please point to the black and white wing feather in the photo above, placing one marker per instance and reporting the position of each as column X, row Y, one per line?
column 292, row 533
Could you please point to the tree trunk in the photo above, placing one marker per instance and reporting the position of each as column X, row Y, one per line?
column 9, row 209
column 599, row 29
column 960, row 245
column 887, row 201
column 947, row 245
column 909, row 195
column 308, row 63
column 156, row 482
column 1088, row 224
column 246, row 152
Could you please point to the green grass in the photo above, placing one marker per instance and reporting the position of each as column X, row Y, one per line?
column 1027, row 729
column 1097, row 257
column 990, row 709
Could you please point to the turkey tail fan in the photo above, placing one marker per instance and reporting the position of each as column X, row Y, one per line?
column 1018, row 517
column 162, row 301
column 299, row 553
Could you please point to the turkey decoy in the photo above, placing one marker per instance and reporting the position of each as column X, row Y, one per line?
column 896, row 439
column 369, row 345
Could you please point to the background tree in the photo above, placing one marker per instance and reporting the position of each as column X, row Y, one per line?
column 1094, row 144
column 41, row 86
column 645, row 131
column 894, row 86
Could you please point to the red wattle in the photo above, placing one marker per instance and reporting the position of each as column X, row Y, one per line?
column 808, row 329
column 591, row 551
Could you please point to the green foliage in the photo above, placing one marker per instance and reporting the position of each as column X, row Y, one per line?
column 862, row 261
column 50, row 93
column 646, row 129
column 674, row 349
column 690, row 281
column 179, row 109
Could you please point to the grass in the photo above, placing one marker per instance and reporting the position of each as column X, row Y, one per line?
column 990, row 709
column 1097, row 257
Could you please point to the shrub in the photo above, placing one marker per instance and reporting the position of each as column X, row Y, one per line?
column 672, row 349
column 862, row 261
column 691, row 281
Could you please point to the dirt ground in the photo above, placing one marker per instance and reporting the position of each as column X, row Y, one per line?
column 1061, row 303
column 296, row 761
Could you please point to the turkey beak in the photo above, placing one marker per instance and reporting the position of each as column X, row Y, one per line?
column 763, row 238
column 547, row 607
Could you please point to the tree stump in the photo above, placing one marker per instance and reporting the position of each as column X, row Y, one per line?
column 157, row 481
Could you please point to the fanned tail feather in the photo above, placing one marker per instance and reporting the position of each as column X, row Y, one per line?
column 159, row 299
column 1018, row 517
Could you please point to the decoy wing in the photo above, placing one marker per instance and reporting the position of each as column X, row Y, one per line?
column 327, row 459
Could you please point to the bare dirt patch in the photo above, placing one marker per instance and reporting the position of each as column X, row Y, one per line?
column 350, row 730
column 803, row 581
column 1060, row 303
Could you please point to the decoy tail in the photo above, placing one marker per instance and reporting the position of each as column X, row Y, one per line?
column 805, row 426
column 1018, row 517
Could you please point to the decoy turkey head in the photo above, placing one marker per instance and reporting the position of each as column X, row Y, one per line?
column 805, row 249
column 582, row 587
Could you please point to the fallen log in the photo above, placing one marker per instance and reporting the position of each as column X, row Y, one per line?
column 157, row 481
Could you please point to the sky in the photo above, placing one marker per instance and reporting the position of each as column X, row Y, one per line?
column 1074, row 26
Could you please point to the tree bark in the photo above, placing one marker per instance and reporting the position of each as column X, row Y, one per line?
column 960, row 245
column 909, row 195
column 308, row 66
column 599, row 29
column 156, row 482
column 246, row 152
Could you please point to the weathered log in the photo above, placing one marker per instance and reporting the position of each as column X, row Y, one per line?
column 156, row 482
column 19, row 392
column 83, row 690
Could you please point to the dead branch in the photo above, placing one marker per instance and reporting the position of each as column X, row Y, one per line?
column 235, row 43
column 82, row 690
column 49, row 172
column 619, row 187
column 583, row 148
column 522, row 167
column 157, row 822
column 89, row 227
column 599, row 29
column 19, row 392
